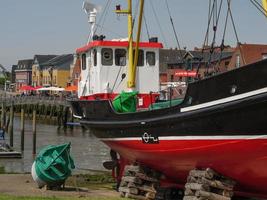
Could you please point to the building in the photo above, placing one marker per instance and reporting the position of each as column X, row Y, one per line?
column 167, row 56
column 75, row 71
column 245, row 54
column 23, row 73
column 38, row 62
column 13, row 74
column 56, row 72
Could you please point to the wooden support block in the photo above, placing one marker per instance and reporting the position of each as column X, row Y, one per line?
column 130, row 179
column 129, row 190
column 150, row 195
column 211, row 196
column 132, row 168
column 146, row 178
column 202, row 173
column 147, row 188
column 192, row 179
column 132, row 196
column 216, row 184
column 192, row 198
column 189, row 192
column 196, row 186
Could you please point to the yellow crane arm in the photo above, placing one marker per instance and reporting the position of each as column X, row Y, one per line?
column 264, row 4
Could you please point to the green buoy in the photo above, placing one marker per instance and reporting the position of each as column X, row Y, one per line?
column 53, row 165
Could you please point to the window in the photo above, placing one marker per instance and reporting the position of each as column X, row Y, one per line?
column 95, row 57
column 140, row 58
column 237, row 64
column 84, row 61
column 150, row 58
column 226, row 64
column 120, row 57
column 107, row 57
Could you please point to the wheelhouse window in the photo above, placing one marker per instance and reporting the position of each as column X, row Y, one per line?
column 95, row 57
column 150, row 58
column 140, row 62
column 107, row 56
column 84, row 61
column 120, row 57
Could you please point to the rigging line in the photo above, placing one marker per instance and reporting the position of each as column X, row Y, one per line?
column 147, row 30
column 223, row 38
column 104, row 11
column 218, row 14
column 259, row 7
column 109, row 30
column 208, row 27
column 206, row 42
column 175, row 33
column 157, row 20
column 105, row 16
column 233, row 23
column 232, row 19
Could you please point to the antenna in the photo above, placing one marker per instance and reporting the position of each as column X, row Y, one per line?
column 91, row 10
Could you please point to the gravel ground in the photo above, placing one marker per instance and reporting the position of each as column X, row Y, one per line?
column 23, row 185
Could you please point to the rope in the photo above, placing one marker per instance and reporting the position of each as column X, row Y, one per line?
column 259, row 7
column 104, row 14
column 233, row 23
column 147, row 30
column 174, row 30
column 157, row 20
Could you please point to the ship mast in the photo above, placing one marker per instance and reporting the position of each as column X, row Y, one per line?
column 264, row 3
column 133, row 59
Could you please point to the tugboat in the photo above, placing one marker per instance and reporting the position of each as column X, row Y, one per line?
column 220, row 124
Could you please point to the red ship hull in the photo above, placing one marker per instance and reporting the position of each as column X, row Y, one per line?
column 244, row 160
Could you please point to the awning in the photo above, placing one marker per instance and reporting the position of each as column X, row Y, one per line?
column 57, row 89
column 26, row 88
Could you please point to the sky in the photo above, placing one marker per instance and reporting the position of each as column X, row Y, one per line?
column 29, row 27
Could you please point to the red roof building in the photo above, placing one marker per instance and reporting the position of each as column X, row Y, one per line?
column 245, row 54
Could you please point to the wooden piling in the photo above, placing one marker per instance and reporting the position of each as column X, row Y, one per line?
column 10, row 127
column 34, row 131
column 22, row 121
column 3, row 115
column 65, row 117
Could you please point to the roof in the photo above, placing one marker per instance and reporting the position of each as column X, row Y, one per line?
column 170, row 55
column 252, row 52
column 98, row 43
column 25, row 64
column 198, row 56
column 60, row 62
column 206, row 56
column 43, row 58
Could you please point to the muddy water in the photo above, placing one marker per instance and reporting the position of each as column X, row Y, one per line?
column 87, row 151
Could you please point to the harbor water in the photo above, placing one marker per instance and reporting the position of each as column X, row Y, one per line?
column 87, row 151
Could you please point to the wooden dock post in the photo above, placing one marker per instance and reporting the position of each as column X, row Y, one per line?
column 3, row 115
column 10, row 126
column 65, row 117
column 34, row 131
column 22, row 120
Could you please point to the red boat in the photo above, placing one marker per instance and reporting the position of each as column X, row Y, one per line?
column 220, row 124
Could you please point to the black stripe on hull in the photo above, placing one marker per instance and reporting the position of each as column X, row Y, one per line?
column 244, row 117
